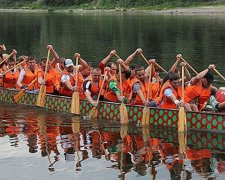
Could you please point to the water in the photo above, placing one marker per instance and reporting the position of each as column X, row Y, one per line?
column 38, row 144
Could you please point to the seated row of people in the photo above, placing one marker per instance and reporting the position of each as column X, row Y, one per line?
column 60, row 78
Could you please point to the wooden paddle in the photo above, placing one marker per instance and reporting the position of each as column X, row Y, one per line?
column 75, row 104
column 182, row 119
column 42, row 89
column 6, row 59
column 160, row 67
column 123, row 108
column 146, row 111
column 94, row 111
column 217, row 72
column 13, row 68
column 189, row 65
column 20, row 94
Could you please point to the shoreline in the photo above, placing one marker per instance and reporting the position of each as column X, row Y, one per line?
column 192, row 10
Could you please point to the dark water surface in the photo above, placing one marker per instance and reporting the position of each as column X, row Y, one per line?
column 38, row 144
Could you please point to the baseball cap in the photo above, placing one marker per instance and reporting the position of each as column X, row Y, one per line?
column 68, row 63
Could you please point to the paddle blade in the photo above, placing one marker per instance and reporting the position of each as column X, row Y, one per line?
column 182, row 120
column 19, row 95
column 123, row 114
column 75, row 104
column 41, row 96
column 93, row 113
column 145, row 116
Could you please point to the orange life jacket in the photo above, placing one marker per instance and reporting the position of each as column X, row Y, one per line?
column 95, row 87
column 155, row 87
column 10, row 79
column 199, row 93
column 166, row 102
column 29, row 77
column 136, row 99
column 51, row 80
column 196, row 154
column 59, row 72
column 67, row 92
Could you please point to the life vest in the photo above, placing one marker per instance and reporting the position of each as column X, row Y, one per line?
column 155, row 87
column 51, row 80
column 166, row 102
column 95, row 88
column 196, row 154
column 67, row 92
column 110, row 95
column 199, row 93
column 136, row 100
column 29, row 77
column 59, row 72
column 10, row 79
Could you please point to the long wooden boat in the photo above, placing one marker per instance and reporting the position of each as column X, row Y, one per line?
column 110, row 111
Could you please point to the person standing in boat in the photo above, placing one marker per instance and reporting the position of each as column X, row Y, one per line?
column 11, row 77
column 28, row 74
column 170, row 93
column 198, row 92
column 113, row 91
column 92, row 85
column 68, row 79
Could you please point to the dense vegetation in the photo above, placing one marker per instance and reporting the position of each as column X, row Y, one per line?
column 105, row 4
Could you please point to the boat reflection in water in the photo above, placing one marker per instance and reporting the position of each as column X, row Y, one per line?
column 40, row 144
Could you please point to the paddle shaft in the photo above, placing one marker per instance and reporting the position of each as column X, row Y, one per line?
column 46, row 65
column 217, row 72
column 14, row 67
column 142, row 55
column 6, row 58
column 189, row 65
column 182, row 76
column 102, row 85
column 121, row 85
column 76, row 82
column 149, row 81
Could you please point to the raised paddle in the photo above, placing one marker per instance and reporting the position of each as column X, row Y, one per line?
column 20, row 94
column 123, row 108
column 146, row 111
column 189, row 65
column 13, row 68
column 160, row 67
column 75, row 104
column 6, row 59
column 182, row 119
column 94, row 111
column 217, row 72
column 42, row 89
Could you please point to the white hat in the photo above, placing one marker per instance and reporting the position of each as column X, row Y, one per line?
column 68, row 63
column 222, row 88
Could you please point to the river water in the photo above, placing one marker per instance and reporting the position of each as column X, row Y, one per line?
column 38, row 144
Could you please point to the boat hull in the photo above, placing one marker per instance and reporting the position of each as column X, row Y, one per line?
column 110, row 111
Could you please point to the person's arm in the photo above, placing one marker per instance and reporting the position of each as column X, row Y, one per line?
column 55, row 55
column 174, row 67
column 20, row 78
column 114, row 88
column 41, row 77
column 14, row 54
column 131, row 57
column 66, row 80
column 83, row 63
column 169, row 93
column 107, row 58
column 87, row 92
column 201, row 75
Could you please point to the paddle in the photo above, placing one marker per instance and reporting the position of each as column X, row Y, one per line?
column 75, row 104
column 20, row 94
column 42, row 89
column 182, row 121
column 189, row 65
column 6, row 59
column 13, row 68
column 142, row 55
column 94, row 111
column 123, row 108
column 146, row 111
column 217, row 72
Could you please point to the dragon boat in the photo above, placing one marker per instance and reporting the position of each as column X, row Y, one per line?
column 208, row 121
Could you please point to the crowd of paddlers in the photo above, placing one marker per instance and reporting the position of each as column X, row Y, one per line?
column 115, row 81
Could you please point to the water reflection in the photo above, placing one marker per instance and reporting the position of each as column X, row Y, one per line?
column 69, row 144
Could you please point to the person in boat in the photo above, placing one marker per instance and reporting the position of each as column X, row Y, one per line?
column 198, row 92
column 170, row 93
column 51, row 81
column 29, row 74
column 68, row 79
column 92, row 85
column 217, row 99
column 111, row 65
column 21, row 59
column 113, row 90
column 11, row 77
column 139, row 89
